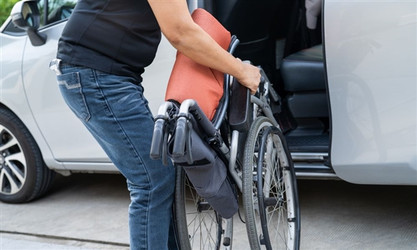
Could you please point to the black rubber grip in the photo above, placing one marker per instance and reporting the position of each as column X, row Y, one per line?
column 157, row 139
column 180, row 136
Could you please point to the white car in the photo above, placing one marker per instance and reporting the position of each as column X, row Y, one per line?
column 345, row 72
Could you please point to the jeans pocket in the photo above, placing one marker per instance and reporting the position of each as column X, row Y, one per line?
column 71, row 89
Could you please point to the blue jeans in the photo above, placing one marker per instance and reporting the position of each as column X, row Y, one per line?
column 116, row 113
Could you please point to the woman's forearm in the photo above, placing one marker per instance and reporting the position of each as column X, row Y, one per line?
column 191, row 40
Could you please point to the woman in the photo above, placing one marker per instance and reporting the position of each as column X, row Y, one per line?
column 102, row 53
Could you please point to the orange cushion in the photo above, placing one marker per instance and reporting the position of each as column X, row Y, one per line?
column 190, row 80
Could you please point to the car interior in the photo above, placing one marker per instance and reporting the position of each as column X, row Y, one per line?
column 285, row 38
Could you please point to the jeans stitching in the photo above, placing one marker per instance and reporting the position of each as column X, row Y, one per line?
column 85, row 112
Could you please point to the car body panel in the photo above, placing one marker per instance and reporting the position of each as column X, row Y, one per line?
column 13, row 95
column 56, row 121
column 370, row 50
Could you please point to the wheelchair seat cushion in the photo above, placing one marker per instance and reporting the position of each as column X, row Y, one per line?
column 190, row 80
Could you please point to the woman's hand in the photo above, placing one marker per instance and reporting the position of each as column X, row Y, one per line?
column 249, row 76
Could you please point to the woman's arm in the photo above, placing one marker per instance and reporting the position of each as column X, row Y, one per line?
column 191, row 40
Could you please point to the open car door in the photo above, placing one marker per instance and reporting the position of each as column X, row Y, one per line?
column 370, row 59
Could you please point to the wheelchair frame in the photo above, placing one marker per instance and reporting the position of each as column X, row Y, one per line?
column 246, row 176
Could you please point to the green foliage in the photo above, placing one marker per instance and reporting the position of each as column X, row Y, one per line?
column 5, row 8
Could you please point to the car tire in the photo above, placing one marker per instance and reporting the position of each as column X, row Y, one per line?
column 23, row 173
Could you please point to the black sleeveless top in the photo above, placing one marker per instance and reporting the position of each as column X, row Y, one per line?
column 115, row 36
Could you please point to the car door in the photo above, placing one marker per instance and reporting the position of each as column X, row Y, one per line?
column 370, row 49
column 65, row 135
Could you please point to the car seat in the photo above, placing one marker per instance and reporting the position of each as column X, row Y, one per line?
column 304, row 81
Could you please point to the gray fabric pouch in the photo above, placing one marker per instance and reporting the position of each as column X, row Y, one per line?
column 208, row 174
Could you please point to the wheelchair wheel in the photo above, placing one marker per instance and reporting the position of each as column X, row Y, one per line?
column 270, row 195
column 198, row 225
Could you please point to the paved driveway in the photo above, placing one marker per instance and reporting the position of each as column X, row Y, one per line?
column 87, row 211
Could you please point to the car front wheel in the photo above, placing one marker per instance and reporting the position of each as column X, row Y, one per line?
column 23, row 174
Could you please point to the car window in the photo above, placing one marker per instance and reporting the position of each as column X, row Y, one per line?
column 51, row 11
column 13, row 30
column 55, row 10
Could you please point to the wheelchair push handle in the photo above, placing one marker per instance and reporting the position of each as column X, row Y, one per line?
column 182, row 141
column 161, row 131
column 180, row 135
column 157, row 139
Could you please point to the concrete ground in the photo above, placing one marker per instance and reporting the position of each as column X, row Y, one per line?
column 86, row 211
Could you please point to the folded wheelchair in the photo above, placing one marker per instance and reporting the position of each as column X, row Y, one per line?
column 230, row 156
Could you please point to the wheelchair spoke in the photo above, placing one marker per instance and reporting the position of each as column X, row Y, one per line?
column 199, row 226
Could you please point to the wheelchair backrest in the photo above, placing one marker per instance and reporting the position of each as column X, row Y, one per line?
column 190, row 80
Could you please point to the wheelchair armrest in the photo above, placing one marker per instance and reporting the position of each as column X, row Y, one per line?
column 240, row 108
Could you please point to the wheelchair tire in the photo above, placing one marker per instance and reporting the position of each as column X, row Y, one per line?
column 198, row 225
column 272, row 214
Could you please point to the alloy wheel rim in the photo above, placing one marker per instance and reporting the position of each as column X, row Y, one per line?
column 13, row 167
